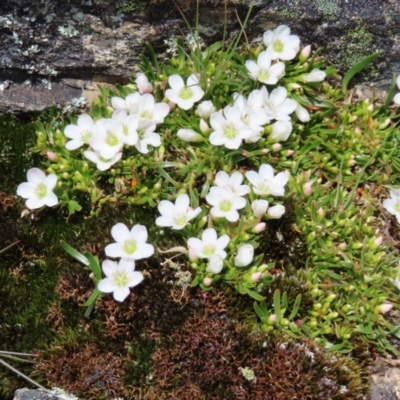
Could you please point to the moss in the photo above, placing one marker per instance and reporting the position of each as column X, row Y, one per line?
column 329, row 9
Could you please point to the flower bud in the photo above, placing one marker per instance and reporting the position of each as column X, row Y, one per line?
column 320, row 212
column 272, row 319
column 143, row 84
column 276, row 212
column 281, row 130
column 259, row 227
column 378, row 241
column 302, row 114
column 342, row 246
column 207, row 281
column 305, row 53
column 215, row 264
column 256, row 276
column 289, row 153
column 205, row 109
column 189, row 135
column 204, row 126
column 276, row 147
column 259, row 207
column 244, row 255
column 316, row 75
column 383, row 308
column 385, row 124
column 51, row 156
column 307, row 188
column 192, row 254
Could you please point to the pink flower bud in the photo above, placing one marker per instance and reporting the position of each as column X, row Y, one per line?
column 307, row 188
column 384, row 308
column 51, row 156
column 207, row 281
column 276, row 147
column 320, row 212
column 171, row 105
column 305, row 53
column 192, row 254
column 259, row 227
column 256, row 276
column 276, row 212
column 290, row 153
column 204, row 126
column 143, row 84
column 378, row 241
column 272, row 318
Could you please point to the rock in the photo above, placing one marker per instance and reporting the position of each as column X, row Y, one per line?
column 30, row 394
column 46, row 44
column 387, row 386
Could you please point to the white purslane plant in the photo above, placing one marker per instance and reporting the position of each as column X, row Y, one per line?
column 184, row 95
column 225, row 203
column 265, row 183
column 177, row 215
column 81, row 133
column 210, row 245
column 130, row 244
column 120, row 277
column 38, row 190
column 264, row 71
column 396, row 98
column 277, row 105
column 244, row 256
column 281, row 44
column 232, row 182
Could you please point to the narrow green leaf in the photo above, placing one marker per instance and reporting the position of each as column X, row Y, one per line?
column 296, row 307
column 253, row 294
column 390, row 95
column 261, row 309
column 152, row 54
column 94, row 265
column 357, row 68
column 92, row 298
column 74, row 253
column 277, row 304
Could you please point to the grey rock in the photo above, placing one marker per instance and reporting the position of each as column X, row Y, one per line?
column 30, row 394
column 47, row 42
column 386, row 386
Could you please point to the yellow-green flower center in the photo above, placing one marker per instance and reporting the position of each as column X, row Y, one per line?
column 185, row 93
column 225, row 205
column 130, row 246
column 263, row 75
column 112, row 139
column 146, row 114
column 41, row 190
column 209, row 249
column 180, row 219
column 120, row 279
column 230, row 132
column 278, row 46
column 397, row 206
column 86, row 136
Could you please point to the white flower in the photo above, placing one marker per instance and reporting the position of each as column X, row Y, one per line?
column 265, row 183
column 176, row 215
column 392, row 205
column 210, row 245
column 143, row 84
column 215, row 264
column 145, row 130
column 396, row 98
column 129, row 244
column 229, row 130
column 225, row 203
column 147, row 108
column 38, row 190
column 277, row 105
column 302, row 114
column 281, row 130
column 276, row 212
column 81, row 133
column 233, row 182
column 259, row 207
column 129, row 104
column 253, row 115
column 109, row 139
column 184, row 96
column 244, row 256
column 205, row 109
column 263, row 71
column 281, row 44
column 316, row 75
column 130, row 125
column 102, row 164
column 119, row 278
column 189, row 135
